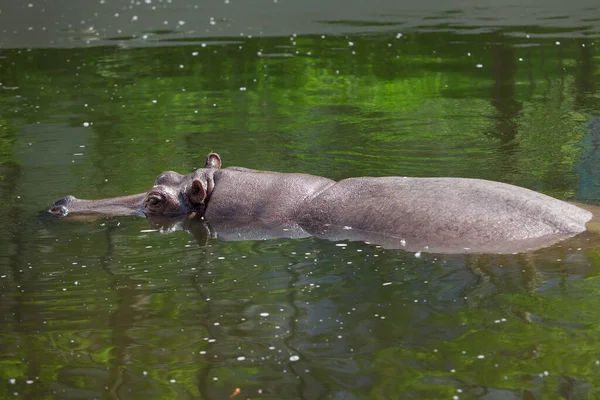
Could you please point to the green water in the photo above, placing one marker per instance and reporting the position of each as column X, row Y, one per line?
column 112, row 309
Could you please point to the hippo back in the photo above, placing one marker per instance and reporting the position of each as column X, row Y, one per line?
column 446, row 214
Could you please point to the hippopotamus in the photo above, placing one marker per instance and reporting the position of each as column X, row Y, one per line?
column 447, row 215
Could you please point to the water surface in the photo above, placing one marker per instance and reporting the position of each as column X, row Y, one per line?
column 111, row 308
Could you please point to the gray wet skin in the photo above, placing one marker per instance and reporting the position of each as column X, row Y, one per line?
column 417, row 214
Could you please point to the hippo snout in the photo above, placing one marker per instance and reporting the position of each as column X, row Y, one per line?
column 60, row 206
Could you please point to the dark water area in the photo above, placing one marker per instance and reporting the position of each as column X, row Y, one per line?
column 96, row 104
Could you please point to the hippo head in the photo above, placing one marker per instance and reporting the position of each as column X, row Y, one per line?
column 172, row 194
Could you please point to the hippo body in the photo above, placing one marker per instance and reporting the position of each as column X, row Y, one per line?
column 447, row 214
column 417, row 214
column 285, row 195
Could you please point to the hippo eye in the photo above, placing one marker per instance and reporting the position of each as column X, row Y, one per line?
column 155, row 202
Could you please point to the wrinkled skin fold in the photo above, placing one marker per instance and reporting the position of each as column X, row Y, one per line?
column 448, row 215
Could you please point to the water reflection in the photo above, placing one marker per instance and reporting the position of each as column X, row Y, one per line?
column 588, row 165
column 503, row 98
column 297, row 318
column 256, row 229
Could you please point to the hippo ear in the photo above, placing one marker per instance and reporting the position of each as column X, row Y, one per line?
column 197, row 193
column 212, row 161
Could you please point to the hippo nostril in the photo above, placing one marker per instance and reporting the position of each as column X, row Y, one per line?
column 59, row 210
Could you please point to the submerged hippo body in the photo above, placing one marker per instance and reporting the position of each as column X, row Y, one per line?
column 431, row 214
